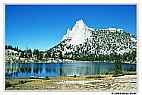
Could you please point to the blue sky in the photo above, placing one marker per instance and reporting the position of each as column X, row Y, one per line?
column 43, row 26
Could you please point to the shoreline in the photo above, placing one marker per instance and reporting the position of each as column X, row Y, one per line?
column 106, row 83
column 69, row 61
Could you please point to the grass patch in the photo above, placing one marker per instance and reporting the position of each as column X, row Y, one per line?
column 97, row 76
column 117, row 75
column 130, row 73
column 14, row 82
column 22, row 81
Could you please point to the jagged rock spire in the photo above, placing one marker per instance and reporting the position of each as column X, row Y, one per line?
column 78, row 33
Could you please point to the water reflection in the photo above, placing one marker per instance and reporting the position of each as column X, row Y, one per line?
column 63, row 69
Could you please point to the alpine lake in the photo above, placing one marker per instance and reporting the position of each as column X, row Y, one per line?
column 71, row 76
column 42, row 70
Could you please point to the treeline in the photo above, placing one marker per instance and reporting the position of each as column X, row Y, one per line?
column 28, row 53
column 12, row 48
column 39, row 55
column 126, row 57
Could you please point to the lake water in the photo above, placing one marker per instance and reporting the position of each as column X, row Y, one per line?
column 62, row 69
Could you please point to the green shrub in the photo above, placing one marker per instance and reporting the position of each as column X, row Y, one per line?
column 74, row 76
column 47, row 78
column 7, row 84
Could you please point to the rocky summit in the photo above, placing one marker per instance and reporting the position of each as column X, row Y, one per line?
column 83, row 41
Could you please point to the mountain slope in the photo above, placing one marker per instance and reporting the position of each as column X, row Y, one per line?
column 83, row 41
